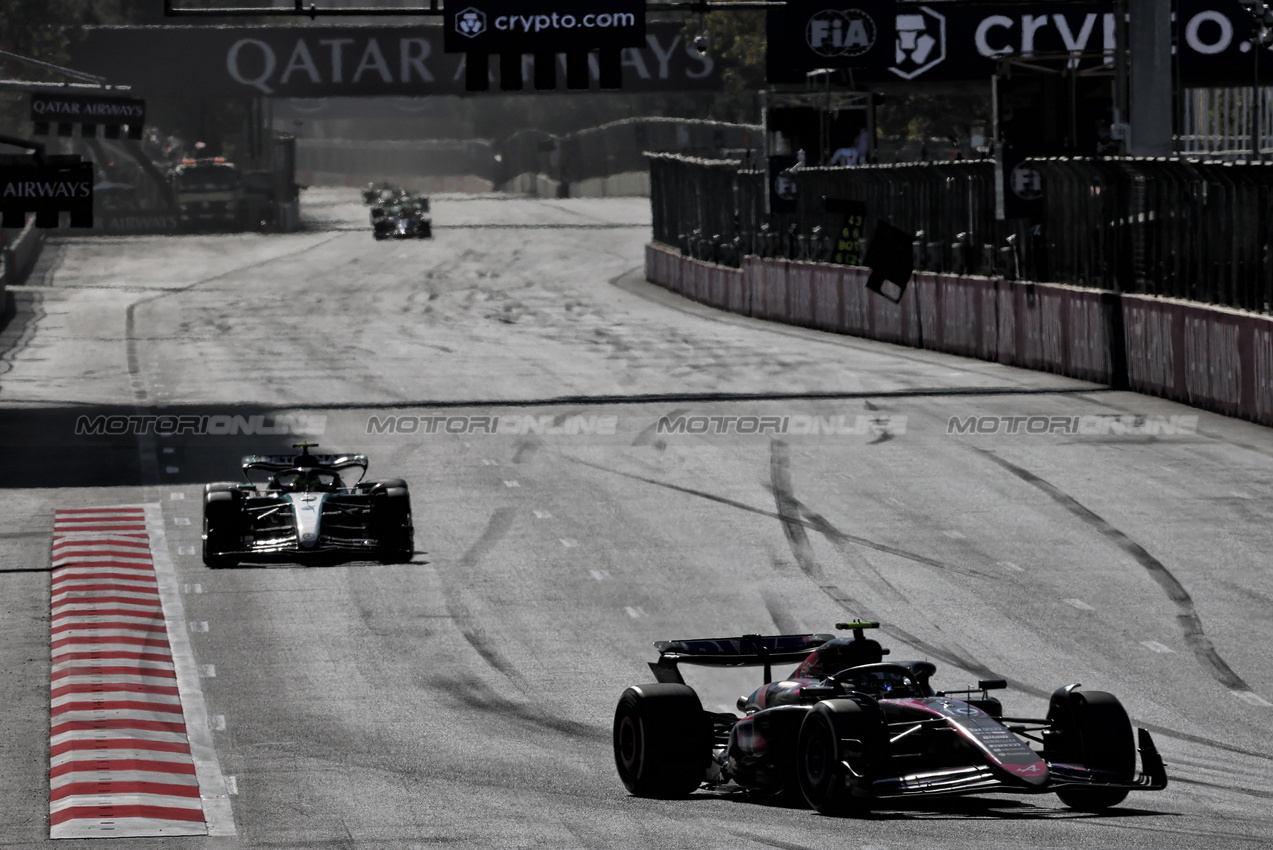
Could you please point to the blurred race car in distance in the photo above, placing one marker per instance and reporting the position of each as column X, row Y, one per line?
column 399, row 214
column 307, row 508
column 847, row 732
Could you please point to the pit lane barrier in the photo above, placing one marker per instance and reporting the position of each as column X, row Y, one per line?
column 1210, row 357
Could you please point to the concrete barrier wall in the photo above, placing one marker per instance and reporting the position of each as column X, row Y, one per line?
column 467, row 183
column 629, row 184
column 1209, row 357
column 20, row 250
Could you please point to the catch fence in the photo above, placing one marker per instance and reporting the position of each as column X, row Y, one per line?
column 1195, row 230
column 620, row 146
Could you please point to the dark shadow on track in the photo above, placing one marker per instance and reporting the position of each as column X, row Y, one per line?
column 117, row 446
column 945, row 808
column 325, row 562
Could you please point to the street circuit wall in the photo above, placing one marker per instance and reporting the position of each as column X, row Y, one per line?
column 1209, row 357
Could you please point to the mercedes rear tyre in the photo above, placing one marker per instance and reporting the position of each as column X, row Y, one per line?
column 821, row 751
column 662, row 741
column 1096, row 733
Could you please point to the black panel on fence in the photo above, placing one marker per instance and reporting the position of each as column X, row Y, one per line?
column 891, row 261
column 577, row 70
column 611, row 70
column 477, row 72
column 510, row 72
column 545, row 71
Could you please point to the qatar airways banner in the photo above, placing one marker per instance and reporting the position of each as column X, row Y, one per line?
column 46, row 189
column 892, row 41
column 339, row 61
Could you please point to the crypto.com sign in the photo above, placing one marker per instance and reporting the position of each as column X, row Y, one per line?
column 888, row 41
column 532, row 26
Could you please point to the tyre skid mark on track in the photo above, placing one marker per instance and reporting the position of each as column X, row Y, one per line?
column 793, row 525
column 496, row 528
column 743, row 506
column 1188, row 619
column 1239, row 789
column 784, row 622
column 793, row 513
column 648, row 435
column 479, row 696
column 527, row 449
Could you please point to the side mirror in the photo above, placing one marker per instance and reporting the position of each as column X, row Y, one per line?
column 992, row 684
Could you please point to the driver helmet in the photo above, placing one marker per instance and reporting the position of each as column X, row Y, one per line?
column 304, row 479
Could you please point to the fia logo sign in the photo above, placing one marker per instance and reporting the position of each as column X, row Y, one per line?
column 847, row 33
column 921, row 42
column 471, row 22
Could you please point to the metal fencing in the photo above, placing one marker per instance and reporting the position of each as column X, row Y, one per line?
column 620, row 146
column 1201, row 231
column 1226, row 123
column 422, row 157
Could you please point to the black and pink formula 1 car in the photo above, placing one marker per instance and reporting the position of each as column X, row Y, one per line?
column 848, row 732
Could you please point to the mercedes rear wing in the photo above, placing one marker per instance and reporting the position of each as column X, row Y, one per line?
column 280, row 463
column 742, row 651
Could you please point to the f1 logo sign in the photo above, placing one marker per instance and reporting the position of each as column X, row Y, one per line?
column 1026, row 183
column 471, row 22
column 921, row 42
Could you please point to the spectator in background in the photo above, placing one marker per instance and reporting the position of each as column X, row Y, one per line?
column 847, row 156
column 857, row 154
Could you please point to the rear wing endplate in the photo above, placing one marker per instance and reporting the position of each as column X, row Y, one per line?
column 741, row 651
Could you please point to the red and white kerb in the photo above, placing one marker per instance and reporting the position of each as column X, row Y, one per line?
column 119, row 757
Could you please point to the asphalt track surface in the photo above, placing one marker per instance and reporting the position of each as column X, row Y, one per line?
column 465, row 699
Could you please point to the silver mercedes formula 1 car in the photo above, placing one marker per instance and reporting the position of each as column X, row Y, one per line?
column 307, row 507
column 846, row 732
